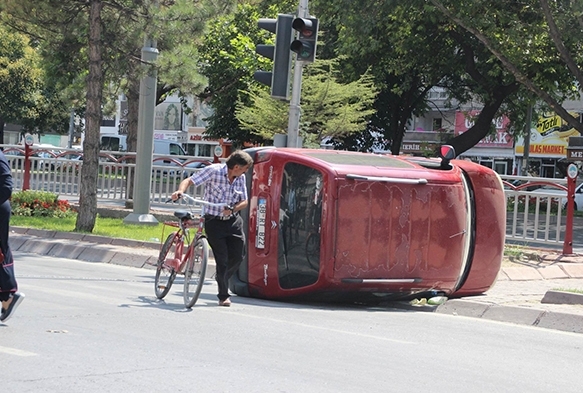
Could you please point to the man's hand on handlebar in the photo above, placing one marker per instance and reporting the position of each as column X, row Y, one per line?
column 176, row 195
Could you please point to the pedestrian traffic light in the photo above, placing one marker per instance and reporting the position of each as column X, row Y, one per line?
column 278, row 79
column 305, row 45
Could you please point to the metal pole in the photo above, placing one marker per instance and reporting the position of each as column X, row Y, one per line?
column 71, row 128
column 293, row 126
column 526, row 152
column 571, row 185
column 145, row 146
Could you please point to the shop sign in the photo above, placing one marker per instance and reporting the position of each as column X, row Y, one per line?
column 549, row 138
column 464, row 120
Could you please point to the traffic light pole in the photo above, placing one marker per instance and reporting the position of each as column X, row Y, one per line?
column 294, row 105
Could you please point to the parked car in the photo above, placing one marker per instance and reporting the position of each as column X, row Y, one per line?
column 192, row 164
column 553, row 192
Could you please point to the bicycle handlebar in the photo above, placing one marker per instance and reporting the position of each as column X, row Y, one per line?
column 189, row 198
column 203, row 202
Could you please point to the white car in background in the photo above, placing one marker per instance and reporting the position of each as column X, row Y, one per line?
column 552, row 192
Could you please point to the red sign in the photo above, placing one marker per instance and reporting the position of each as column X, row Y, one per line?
column 465, row 120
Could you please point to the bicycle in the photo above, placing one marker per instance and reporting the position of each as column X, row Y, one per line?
column 173, row 260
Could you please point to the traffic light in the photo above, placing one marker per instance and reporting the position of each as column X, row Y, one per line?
column 278, row 79
column 305, row 45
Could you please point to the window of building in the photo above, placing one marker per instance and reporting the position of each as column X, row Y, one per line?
column 436, row 124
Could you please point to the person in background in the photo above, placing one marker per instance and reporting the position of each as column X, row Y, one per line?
column 9, row 294
column 224, row 183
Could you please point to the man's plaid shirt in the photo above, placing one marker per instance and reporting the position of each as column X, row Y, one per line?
column 218, row 189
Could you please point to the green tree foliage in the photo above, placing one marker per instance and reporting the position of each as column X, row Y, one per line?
column 100, row 42
column 228, row 60
column 537, row 41
column 329, row 109
column 25, row 97
column 411, row 48
column 20, row 78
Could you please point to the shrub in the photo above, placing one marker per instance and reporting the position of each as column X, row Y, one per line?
column 39, row 203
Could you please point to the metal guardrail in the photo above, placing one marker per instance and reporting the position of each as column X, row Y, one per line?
column 536, row 209
column 534, row 215
column 59, row 171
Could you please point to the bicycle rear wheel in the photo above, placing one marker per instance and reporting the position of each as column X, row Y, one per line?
column 165, row 273
column 195, row 271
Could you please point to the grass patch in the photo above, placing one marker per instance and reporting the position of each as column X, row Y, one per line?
column 110, row 227
column 571, row 290
column 513, row 251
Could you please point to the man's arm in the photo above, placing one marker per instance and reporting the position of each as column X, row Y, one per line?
column 182, row 187
column 5, row 180
column 240, row 206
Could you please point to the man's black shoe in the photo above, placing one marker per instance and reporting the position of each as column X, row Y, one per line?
column 17, row 298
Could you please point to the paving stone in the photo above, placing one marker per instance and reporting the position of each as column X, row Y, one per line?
column 552, row 272
column 522, row 273
column 573, row 270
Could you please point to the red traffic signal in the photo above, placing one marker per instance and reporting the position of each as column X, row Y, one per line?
column 305, row 45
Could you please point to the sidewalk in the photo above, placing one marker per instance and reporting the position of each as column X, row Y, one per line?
column 526, row 292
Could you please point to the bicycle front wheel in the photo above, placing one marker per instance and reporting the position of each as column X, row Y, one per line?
column 195, row 271
column 165, row 273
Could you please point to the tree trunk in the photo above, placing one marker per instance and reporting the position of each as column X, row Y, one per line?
column 133, row 97
column 483, row 124
column 89, row 170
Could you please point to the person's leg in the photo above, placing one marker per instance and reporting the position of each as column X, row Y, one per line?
column 8, row 284
column 216, row 235
column 235, row 247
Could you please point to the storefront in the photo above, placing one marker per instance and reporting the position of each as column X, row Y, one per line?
column 548, row 147
column 495, row 151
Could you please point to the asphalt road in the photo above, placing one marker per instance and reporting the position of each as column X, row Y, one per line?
column 92, row 327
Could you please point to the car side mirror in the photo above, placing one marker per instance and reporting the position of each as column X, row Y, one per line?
column 446, row 153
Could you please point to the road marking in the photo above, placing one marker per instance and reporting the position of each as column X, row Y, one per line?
column 16, row 352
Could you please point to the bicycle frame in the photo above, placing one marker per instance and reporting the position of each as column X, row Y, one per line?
column 184, row 236
column 173, row 260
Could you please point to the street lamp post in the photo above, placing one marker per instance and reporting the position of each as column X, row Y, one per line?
column 143, row 175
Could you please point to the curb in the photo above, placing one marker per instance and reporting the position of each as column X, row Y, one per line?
column 86, row 248
column 90, row 248
column 518, row 315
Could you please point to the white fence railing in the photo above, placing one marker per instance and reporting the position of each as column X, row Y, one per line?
column 536, row 209
column 532, row 216
column 59, row 171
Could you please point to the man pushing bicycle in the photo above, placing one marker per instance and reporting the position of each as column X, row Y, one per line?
column 224, row 183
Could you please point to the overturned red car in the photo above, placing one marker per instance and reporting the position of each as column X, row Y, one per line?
column 339, row 225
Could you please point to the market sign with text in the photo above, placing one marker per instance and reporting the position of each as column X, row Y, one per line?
column 550, row 137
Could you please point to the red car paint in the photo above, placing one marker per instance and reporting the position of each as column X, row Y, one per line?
column 388, row 226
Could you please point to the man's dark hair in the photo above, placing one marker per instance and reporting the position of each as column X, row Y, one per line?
column 239, row 157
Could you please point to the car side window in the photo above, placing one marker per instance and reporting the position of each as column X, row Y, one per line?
column 300, row 208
